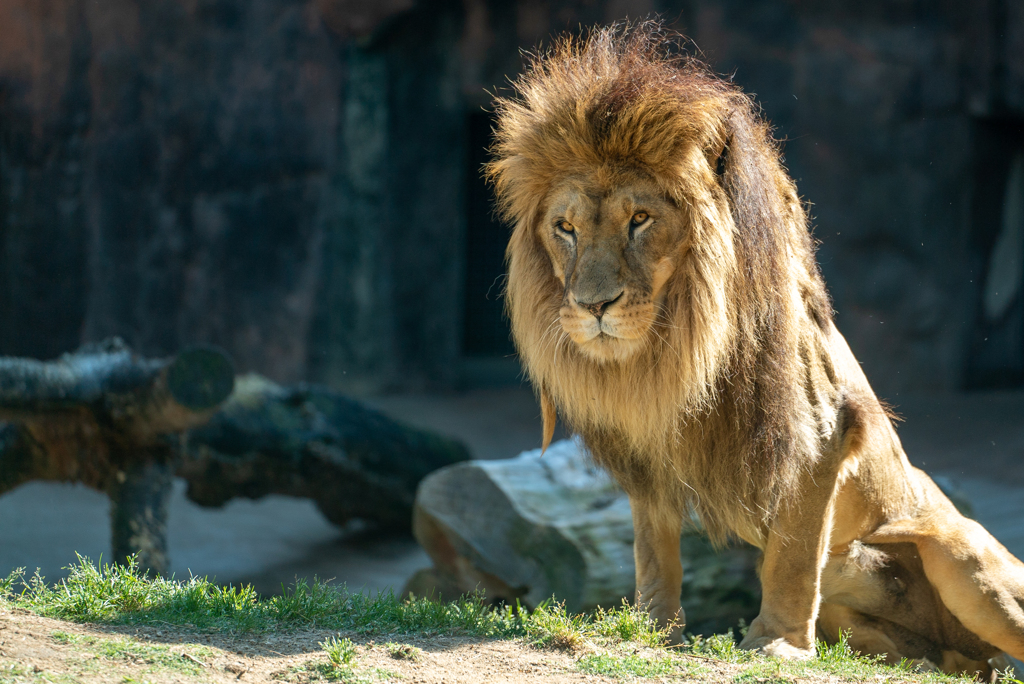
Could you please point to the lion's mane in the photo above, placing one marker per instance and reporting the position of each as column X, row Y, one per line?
column 713, row 401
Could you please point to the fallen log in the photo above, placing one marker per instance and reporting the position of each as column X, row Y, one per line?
column 534, row 527
column 126, row 425
column 310, row 442
column 108, row 418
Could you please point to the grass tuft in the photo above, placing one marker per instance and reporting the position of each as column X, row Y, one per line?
column 550, row 626
column 340, row 665
column 8, row 583
column 720, row 647
column 404, row 651
column 628, row 623
column 340, row 652
column 636, row 666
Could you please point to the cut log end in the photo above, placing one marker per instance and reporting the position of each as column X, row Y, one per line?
column 200, row 378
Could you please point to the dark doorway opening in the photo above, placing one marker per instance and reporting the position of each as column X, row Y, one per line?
column 487, row 349
column 996, row 353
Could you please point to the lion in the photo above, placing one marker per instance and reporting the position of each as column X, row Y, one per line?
column 665, row 300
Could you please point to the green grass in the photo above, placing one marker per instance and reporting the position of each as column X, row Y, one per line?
column 128, row 650
column 340, row 652
column 639, row 666
column 16, row 673
column 340, row 666
column 403, row 651
column 622, row 643
column 314, row 671
column 550, row 625
column 111, row 594
column 720, row 647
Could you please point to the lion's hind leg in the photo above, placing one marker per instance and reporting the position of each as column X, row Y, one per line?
column 876, row 636
column 882, row 598
column 977, row 579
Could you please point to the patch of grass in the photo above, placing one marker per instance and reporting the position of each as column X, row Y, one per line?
column 157, row 656
column 772, row 671
column 340, row 665
column 550, row 626
column 628, row 623
column 340, row 652
column 318, row 671
column 720, row 647
column 65, row 638
column 403, row 651
column 113, row 594
column 638, row 666
column 8, row 583
column 17, row 673
column 837, row 662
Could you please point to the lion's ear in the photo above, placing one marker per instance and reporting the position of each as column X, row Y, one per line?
column 549, row 416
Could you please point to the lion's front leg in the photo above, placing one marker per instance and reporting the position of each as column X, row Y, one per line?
column 659, row 572
column 794, row 556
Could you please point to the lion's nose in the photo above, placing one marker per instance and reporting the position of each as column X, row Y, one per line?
column 598, row 308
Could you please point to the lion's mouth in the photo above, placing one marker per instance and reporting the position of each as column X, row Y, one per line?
column 595, row 329
column 602, row 339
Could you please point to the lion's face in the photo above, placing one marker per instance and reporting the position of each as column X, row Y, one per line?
column 613, row 240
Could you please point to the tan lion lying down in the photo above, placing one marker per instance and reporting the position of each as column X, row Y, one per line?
column 665, row 300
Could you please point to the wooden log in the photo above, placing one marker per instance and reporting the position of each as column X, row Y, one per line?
column 145, row 397
column 108, row 418
column 113, row 421
column 534, row 527
column 311, row 442
column 138, row 513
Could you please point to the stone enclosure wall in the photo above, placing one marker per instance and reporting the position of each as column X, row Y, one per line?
column 297, row 181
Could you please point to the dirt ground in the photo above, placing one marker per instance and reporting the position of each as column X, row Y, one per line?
column 36, row 649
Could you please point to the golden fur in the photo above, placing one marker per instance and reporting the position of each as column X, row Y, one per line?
column 731, row 315
column 665, row 300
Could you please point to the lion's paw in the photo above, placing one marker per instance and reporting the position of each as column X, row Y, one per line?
column 777, row 647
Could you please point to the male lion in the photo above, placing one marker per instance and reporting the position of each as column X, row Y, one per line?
column 665, row 300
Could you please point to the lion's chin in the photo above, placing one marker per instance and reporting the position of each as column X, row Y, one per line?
column 605, row 348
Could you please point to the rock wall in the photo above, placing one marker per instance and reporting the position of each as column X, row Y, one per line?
column 287, row 178
column 880, row 105
column 260, row 175
column 883, row 108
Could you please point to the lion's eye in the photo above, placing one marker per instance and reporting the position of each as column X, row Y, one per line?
column 639, row 218
column 565, row 227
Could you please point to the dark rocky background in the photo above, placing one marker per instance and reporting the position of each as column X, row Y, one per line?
column 297, row 181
